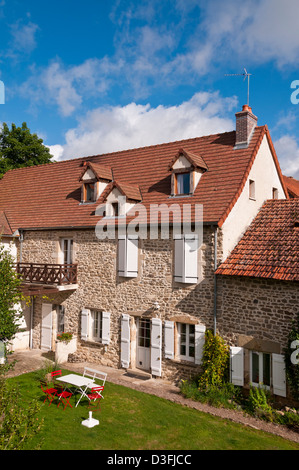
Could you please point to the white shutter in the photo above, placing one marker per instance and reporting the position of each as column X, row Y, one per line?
column 237, row 366
column 199, row 339
column 156, row 342
column 178, row 258
column 105, row 327
column 46, row 333
column 128, row 256
column 190, row 258
column 85, row 315
column 125, row 341
column 186, row 258
column 169, row 339
column 132, row 256
column 279, row 376
column 122, row 249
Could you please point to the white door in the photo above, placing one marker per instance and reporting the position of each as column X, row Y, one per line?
column 143, row 343
column 46, row 334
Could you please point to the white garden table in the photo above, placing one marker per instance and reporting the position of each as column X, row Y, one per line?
column 80, row 382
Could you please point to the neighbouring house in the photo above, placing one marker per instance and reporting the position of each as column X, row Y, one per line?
column 258, row 296
column 110, row 246
column 292, row 186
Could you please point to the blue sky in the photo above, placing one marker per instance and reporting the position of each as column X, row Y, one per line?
column 98, row 76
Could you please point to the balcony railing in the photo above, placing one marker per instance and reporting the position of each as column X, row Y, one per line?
column 59, row 274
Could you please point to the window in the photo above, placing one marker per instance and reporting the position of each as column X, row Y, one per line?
column 144, row 333
column 89, row 192
column 182, row 183
column 186, row 341
column 67, row 250
column 60, row 319
column 251, row 189
column 96, row 325
column 274, row 193
column 114, row 209
column 260, row 367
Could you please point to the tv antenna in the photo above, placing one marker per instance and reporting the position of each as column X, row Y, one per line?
column 245, row 75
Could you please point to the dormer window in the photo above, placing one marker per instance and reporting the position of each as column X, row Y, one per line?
column 114, row 209
column 94, row 178
column 187, row 169
column 89, row 192
column 120, row 198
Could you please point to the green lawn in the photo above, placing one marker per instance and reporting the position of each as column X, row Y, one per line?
column 132, row 420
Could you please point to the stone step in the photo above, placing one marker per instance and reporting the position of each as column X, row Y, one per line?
column 138, row 374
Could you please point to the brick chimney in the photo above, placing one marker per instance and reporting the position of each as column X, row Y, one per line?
column 245, row 124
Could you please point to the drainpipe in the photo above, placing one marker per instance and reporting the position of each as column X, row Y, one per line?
column 31, row 321
column 215, row 279
column 21, row 241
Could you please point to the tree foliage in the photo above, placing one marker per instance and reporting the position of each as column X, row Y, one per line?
column 215, row 361
column 10, row 296
column 19, row 148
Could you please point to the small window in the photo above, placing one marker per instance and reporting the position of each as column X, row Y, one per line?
column 114, row 209
column 60, row 319
column 186, row 341
column 96, row 325
column 274, row 193
column 260, row 367
column 67, row 250
column 251, row 189
column 182, row 185
column 89, row 192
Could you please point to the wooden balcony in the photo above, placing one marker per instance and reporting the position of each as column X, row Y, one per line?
column 48, row 274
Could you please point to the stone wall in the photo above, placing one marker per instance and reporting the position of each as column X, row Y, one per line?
column 256, row 308
column 101, row 288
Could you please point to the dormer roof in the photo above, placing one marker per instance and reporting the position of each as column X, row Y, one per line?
column 99, row 171
column 195, row 160
column 130, row 191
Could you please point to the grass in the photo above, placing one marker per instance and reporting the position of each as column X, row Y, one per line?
column 133, row 420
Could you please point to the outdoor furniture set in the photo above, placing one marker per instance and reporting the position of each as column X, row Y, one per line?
column 64, row 387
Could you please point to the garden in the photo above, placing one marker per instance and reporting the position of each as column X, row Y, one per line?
column 128, row 420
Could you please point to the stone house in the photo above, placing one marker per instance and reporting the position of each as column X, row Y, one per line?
column 121, row 249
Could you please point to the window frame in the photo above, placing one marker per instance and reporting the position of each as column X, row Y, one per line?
column 261, row 371
column 60, row 312
column 178, row 173
column 99, row 326
column 187, row 343
column 85, row 187
column 68, row 253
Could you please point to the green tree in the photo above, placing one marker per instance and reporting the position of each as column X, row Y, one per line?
column 19, row 148
column 10, row 296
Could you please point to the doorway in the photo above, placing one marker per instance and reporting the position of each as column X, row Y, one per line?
column 143, row 354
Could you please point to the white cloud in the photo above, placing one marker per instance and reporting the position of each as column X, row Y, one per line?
column 287, row 150
column 111, row 129
column 23, row 38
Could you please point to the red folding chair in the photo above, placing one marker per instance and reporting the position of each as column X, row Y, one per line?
column 50, row 392
column 95, row 397
column 63, row 396
column 55, row 373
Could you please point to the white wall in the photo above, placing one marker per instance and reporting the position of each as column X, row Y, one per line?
column 265, row 175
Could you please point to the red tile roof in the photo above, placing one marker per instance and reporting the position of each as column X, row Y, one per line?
column 49, row 196
column 292, row 186
column 270, row 246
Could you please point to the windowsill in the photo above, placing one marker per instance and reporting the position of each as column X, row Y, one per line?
column 178, row 360
column 252, row 198
column 181, row 195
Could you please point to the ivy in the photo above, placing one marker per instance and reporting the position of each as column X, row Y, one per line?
column 215, row 362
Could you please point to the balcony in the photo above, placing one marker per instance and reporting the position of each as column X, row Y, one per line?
column 47, row 277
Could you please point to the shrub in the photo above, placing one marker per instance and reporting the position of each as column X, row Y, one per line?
column 215, row 362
